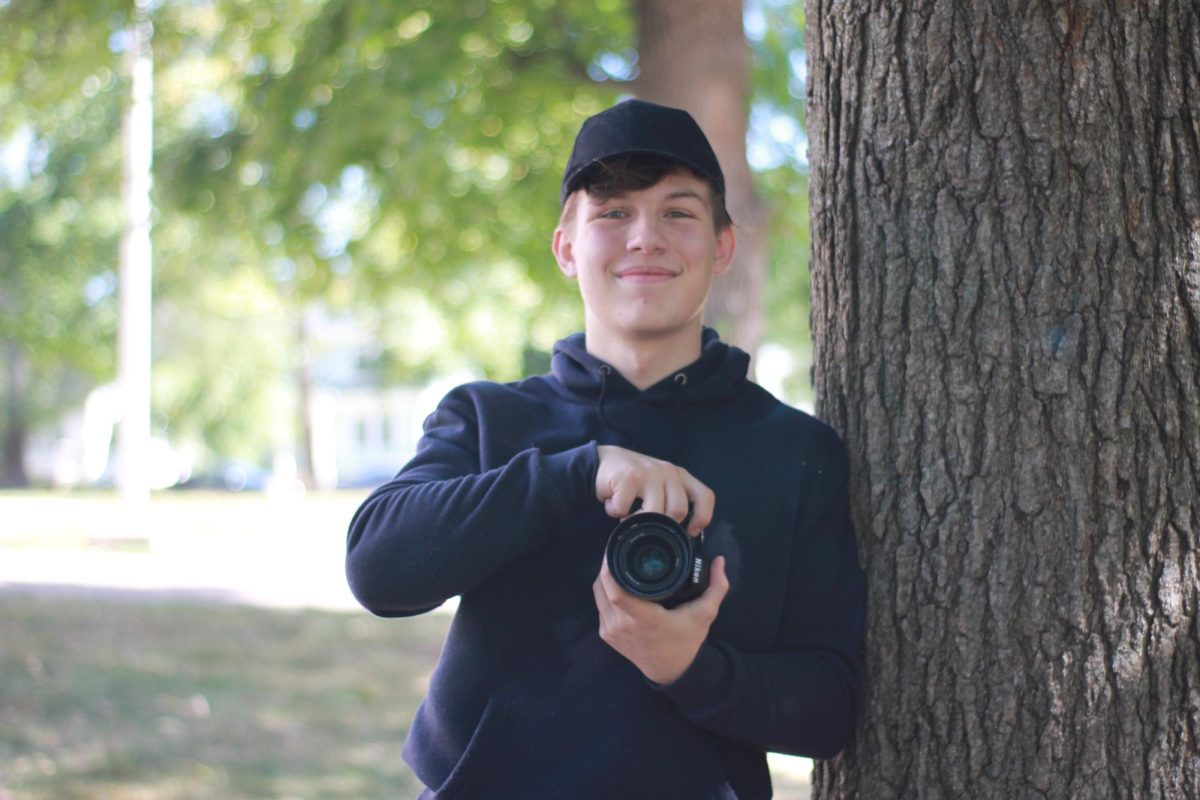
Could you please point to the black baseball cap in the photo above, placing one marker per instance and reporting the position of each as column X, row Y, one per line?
column 638, row 127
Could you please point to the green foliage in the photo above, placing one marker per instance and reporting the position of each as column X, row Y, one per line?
column 777, row 143
column 395, row 161
column 59, row 222
column 411, row 153
column 223, row 367
column 61, row 101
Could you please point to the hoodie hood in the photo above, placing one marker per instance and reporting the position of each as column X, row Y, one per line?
column 717, row 375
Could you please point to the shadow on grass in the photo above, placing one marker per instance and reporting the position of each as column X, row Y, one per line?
column 131, row 695
column 109, row 696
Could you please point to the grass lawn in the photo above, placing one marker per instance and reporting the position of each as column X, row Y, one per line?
column 117, row 698
column 114, row 693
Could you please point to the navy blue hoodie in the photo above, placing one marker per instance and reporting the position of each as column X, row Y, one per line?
column 499, row 506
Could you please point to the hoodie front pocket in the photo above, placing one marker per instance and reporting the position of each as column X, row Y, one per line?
column 497, row 733
column 584, row 747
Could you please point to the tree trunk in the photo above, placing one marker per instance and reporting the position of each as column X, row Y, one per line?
column 1006, row 320
column 694, row 56
column 16, row 420
column 305, row 384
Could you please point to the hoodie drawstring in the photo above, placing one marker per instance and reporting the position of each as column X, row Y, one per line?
column 680, row 380
column 680, row 417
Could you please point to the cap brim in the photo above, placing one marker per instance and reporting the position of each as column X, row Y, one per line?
column 571, row 183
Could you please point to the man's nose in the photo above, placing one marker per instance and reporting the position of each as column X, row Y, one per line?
column 646, row 235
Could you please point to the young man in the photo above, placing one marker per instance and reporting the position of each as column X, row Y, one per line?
column 554, row 681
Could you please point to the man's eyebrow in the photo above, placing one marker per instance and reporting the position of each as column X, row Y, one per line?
column 678, row 194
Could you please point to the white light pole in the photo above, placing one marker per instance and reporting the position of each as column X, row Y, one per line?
column 133, row 336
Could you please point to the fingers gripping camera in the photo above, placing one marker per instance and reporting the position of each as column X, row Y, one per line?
column 651, row 556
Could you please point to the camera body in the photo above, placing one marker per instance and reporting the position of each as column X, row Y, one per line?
column 651, row 556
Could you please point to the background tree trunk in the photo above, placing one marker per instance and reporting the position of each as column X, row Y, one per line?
column 305, row 387
column 16, row 422
column 1006, row 319
column 694, row 56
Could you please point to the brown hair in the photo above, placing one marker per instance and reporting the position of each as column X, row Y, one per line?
column 632, row 173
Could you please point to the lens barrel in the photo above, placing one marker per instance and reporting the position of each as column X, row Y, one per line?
column 651, row 556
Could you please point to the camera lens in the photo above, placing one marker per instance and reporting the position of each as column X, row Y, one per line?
column 650, row 563
column 649, row 555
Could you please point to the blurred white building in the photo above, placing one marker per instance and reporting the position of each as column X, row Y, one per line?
column 362, row 436
column 362, row 432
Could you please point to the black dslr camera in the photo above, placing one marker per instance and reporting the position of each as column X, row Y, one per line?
column 651, row 556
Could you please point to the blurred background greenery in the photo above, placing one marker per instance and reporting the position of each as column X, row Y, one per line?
column 347, row 196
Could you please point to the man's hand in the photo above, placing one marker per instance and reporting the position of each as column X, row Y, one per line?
column 660, row 642
column 624, row 476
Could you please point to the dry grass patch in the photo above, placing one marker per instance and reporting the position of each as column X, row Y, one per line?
column 111, row 697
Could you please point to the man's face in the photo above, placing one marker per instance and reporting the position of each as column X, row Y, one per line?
column 644, row 259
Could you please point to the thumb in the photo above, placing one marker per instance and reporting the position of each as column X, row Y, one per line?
column 718, row 585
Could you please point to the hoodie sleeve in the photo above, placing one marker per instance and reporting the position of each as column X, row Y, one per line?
column 802, row 697
column 444, row 524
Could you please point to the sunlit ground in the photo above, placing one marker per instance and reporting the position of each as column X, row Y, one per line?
column 206, row 647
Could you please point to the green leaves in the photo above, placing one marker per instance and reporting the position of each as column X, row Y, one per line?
column 450, row 126
column 398, row 161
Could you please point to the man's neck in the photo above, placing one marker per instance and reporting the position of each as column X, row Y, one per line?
column 645, row 361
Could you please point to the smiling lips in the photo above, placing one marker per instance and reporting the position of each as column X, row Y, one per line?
column 646, row 274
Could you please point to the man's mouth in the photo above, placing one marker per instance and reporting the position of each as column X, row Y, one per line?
column 646, row 274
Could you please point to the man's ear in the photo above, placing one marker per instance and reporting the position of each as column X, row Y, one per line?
column 726, row 245
column 564, row 252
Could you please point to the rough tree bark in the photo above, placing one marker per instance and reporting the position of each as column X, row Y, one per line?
column 694, row 56
column 1006, row 319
